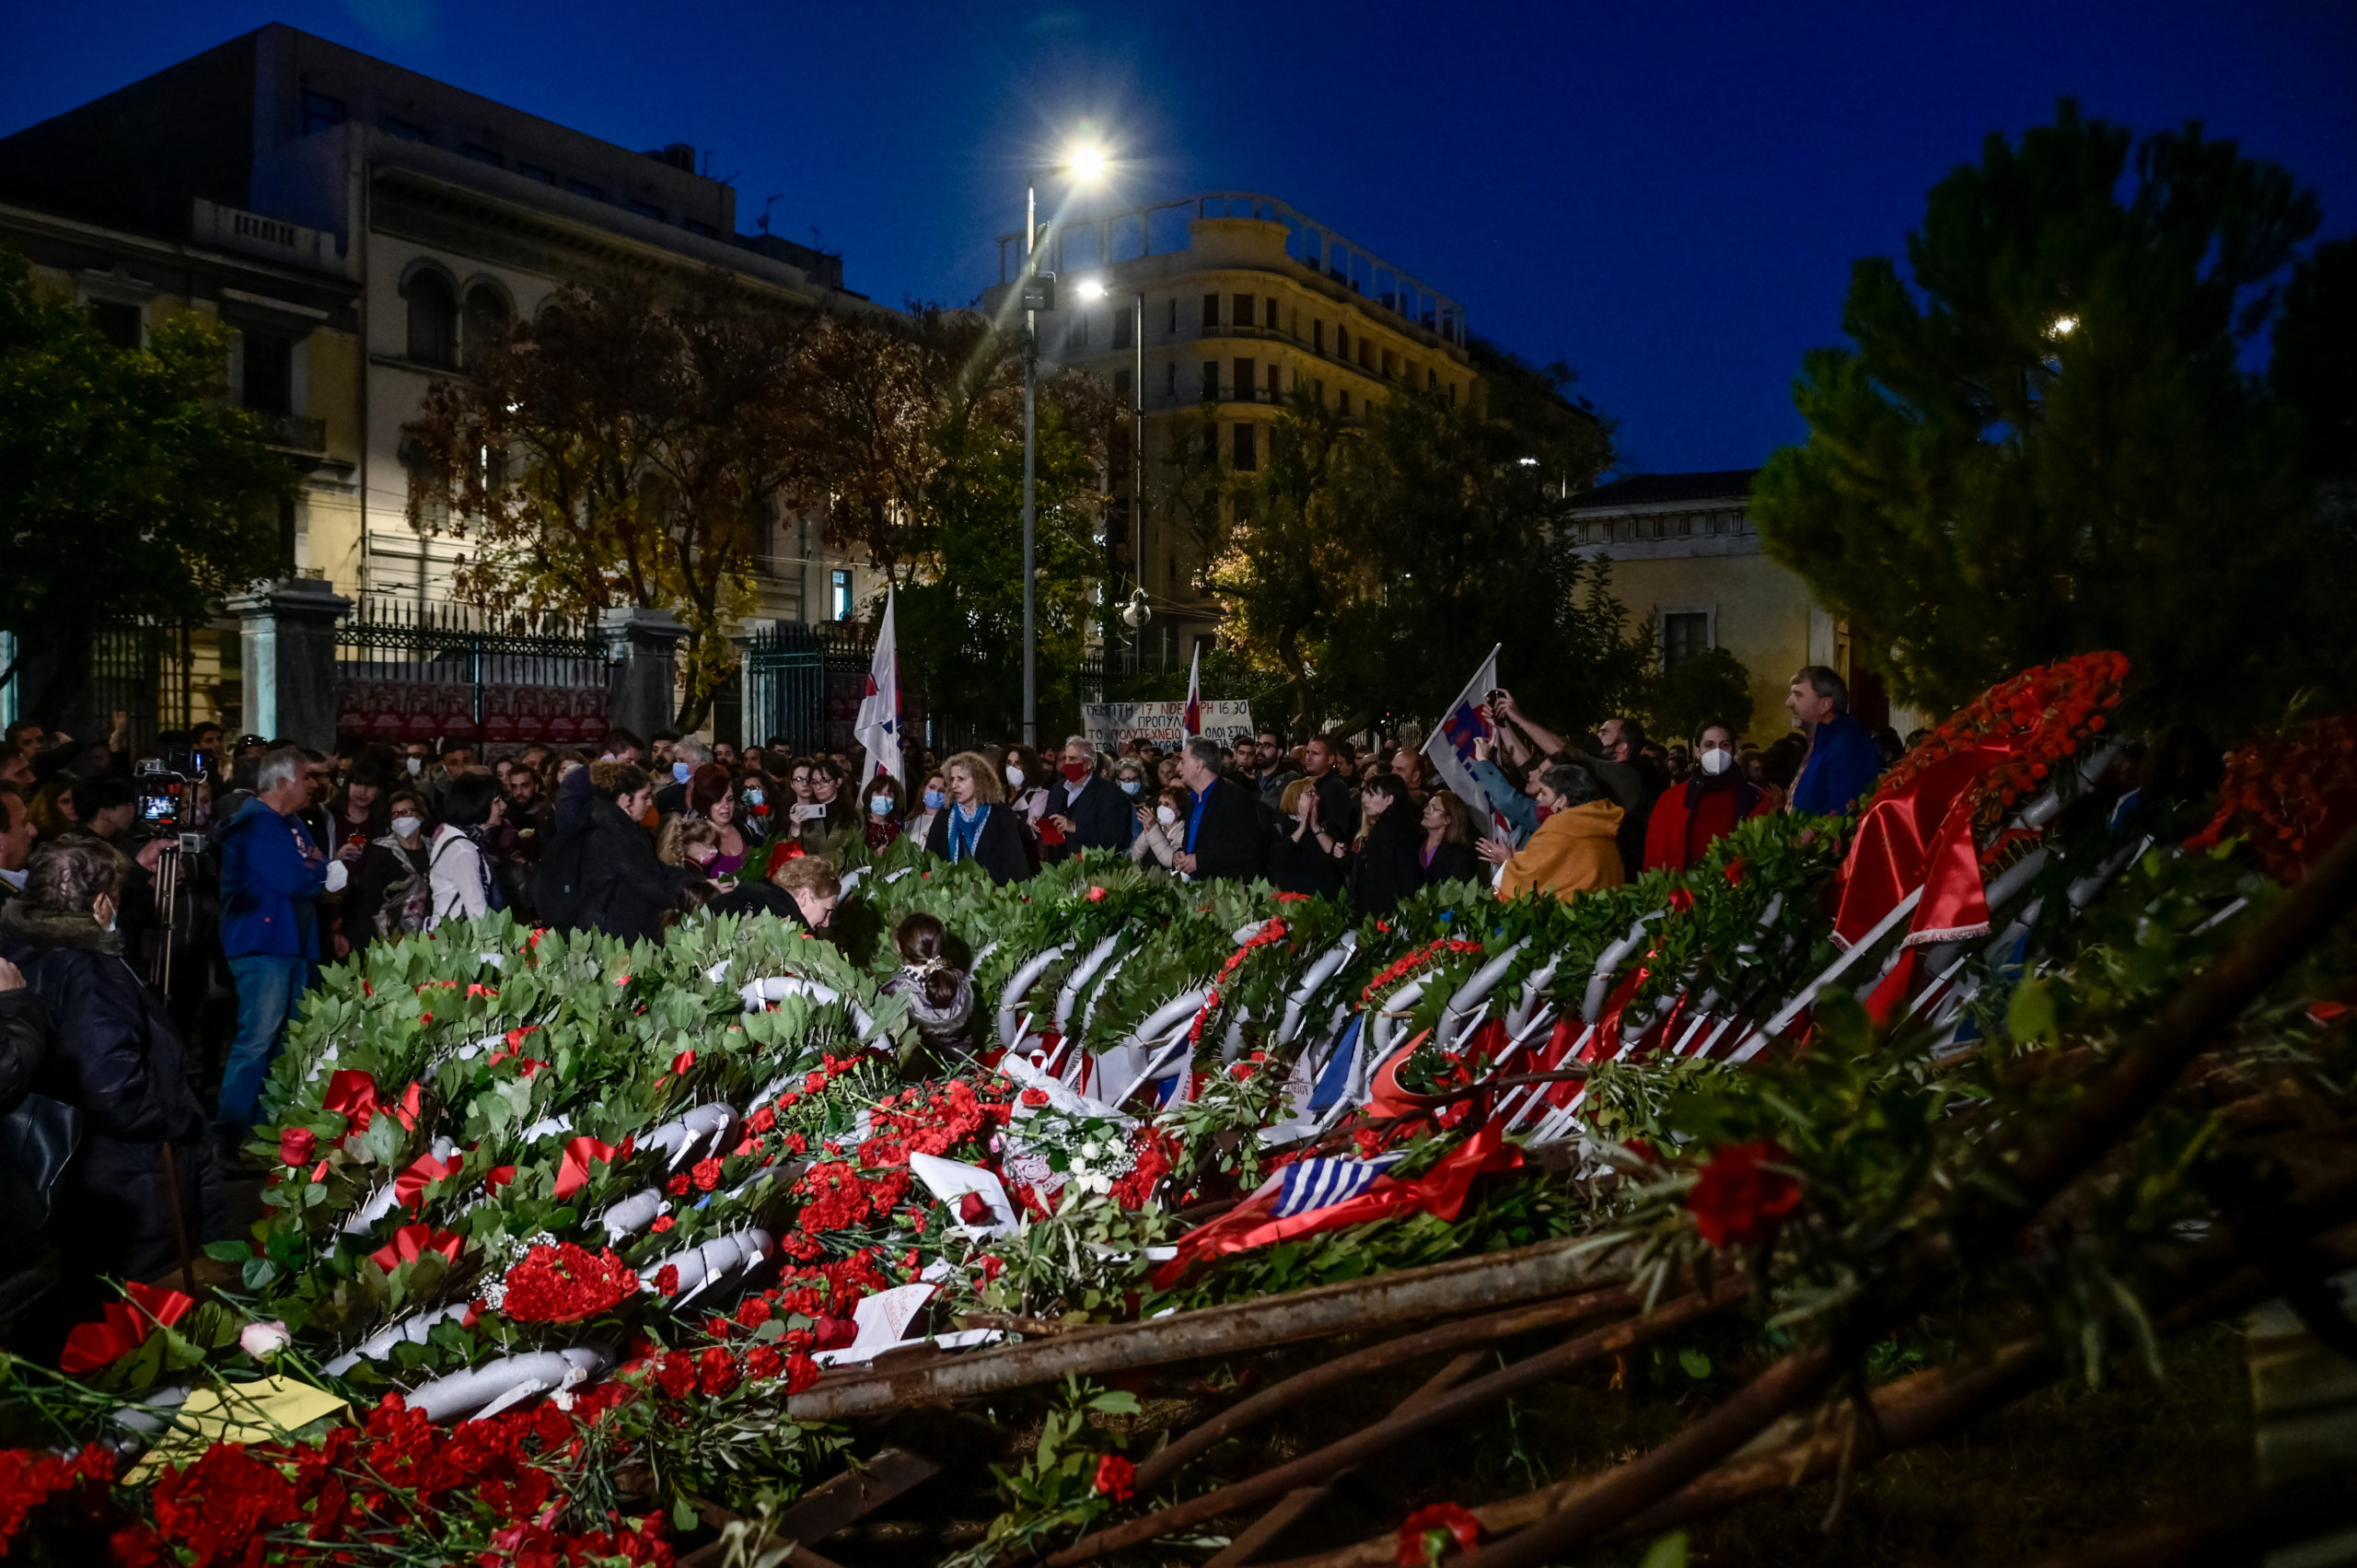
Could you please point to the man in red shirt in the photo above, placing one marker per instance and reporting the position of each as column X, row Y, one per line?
column 1690, row 817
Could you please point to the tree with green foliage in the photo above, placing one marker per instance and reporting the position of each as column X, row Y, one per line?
column 2044, row 440
column 129, row 489
column 1710, row 687
column 1375, row 562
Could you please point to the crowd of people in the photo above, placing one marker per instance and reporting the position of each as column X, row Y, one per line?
column 307, row 857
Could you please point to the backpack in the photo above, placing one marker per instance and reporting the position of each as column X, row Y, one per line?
column 554, row 884
column 408, row 902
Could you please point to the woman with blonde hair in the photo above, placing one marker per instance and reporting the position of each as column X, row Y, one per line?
column 978, row 825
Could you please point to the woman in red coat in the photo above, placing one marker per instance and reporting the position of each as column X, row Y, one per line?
column 1690, row 817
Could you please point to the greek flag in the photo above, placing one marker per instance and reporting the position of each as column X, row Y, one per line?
column 1320, row 1183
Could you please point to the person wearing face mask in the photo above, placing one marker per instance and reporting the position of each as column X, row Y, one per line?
column 688, row 754
column 1085, row 812
column 1026, row 782
column 115, row 1056
column 934, row 796
column 883, row 821
column 392, row 891
column 1575, row 850
column 831, row 821
column 1689, row 817
column 1162, row 828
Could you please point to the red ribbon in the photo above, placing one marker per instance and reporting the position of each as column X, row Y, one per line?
column 1442, row 1190
column 1606, row 1044
column 415, row 1241
column 779, row 855
column 573, row 1171
column 123, row 1327
column 497, row 1176
column 351, row 1094
column 1920, row 835
column 409, row 1187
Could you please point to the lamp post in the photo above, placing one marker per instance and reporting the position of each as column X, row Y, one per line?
column 1085, row 163
column 1097, row 288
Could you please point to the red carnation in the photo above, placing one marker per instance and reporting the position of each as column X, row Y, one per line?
column 707, row 1174
column 294, row 1145
column 1035, row 1098
column 678, row 1185
column 676, row 1374
column 716, row 1371
column 1428, row 1532
column 666, row 1279
column 1736, row 1197
column 1116, row 1478
column 800, row 1372
column 764, row 1361
column 1096, row 895
column 662, row 1223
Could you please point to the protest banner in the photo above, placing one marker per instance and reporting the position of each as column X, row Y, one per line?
column 1110, row 726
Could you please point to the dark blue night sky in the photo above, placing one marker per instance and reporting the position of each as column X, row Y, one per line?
column 1667, row 196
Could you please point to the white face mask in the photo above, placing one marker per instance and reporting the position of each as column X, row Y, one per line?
column 1013, row 778
column 416, row 766
column 407, row 827
column 1166, row 815
column 1716, row 761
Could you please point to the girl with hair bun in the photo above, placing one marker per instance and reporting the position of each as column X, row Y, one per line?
column 941, row 997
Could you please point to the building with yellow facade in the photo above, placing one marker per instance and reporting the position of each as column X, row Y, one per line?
column 1243, row 302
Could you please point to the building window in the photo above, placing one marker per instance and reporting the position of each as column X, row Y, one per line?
column 534, row 171
column 1431, row 380
column 1276, row 384
column 584, row 188
column 1243, row 316
column 1211, row 443
column 1246, row 377
column 433, row 320
column 1211, row 380
column 1387, row 365
column 1122, row 337
column 1211, row 312
column 268, row 374
column 839, row 594
column 1684, row 634
column 1248, row 447
column 1079, row 342
column 643, row 209
column 1317, row 391
column 1171, row 380
column 122, row 325
column 481, row 154
column 1270, row 319
column 1121, row 385
column 695, row 225
column 1316, row 336
column 1341, row 341
column 1173, row 328
column 407, row 132
column 1345, row 408
column 320, row 112
column 485, row 327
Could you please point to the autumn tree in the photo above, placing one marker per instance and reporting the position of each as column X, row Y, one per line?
column 2045, row 437
column 128, row 488
column 629, row 447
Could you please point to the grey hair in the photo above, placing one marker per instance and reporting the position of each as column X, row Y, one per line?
column 70, row 873
column 691, row 750
column 1827, row 683
column 1205, row 750
column 1080, row 740
column 276, row 768
column 1574, row 784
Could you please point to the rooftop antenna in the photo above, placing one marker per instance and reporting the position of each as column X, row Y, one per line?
column 762, row 223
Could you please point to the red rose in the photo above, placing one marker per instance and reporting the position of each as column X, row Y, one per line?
column 1446, row 1520
column 707, row 1174
column 1096, row 895
column 1116, row 1478
column 716, row 1371
column 1735, row 1199
column 973, row 1208
column 294, row 1145
column 1035, row 1097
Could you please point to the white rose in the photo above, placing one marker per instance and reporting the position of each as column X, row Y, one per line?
column 1091, row 1150
column 262, row 1341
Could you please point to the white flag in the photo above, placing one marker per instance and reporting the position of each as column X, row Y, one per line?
column 1193, row 722
column 1451, row 747
column 878, row 725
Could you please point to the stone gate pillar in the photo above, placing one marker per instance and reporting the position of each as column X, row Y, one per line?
column 287, row 636
column 642, row 671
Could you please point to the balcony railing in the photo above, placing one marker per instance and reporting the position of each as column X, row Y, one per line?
column 295, row 433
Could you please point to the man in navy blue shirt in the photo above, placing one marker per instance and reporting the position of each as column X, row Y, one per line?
column 1224, row 837
column 1842, row 761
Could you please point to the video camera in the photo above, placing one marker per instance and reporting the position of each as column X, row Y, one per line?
column 165, row 797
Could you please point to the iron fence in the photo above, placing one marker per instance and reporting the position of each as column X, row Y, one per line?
column 410, row 671
column 142, row 671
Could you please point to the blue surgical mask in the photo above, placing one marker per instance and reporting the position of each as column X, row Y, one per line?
column 881, row 805
column 753, row 798
column 682, row 771
column 934, row 800
column 1131, row 787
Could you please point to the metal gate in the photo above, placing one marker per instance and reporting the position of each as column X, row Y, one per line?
column 803, row 685
column 408, row 672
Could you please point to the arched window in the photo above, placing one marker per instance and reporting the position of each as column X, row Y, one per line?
column 486, row 324
column 433, row 318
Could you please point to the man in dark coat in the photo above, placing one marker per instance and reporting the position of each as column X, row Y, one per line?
column 599, row 872
column 116, row 1056
column 1086, row 809
column 1224, row 835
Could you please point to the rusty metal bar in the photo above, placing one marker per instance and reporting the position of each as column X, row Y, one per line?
column 1552, row 1268
column 1487, row 1329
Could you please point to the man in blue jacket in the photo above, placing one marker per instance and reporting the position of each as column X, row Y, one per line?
column 271, row 877
column 1842, row 761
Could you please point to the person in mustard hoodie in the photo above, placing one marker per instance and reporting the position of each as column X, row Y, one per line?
column 1574, row 850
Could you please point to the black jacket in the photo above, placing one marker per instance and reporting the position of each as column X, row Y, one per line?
column 1105, row 816
column 1386, row 868
column 1229, row 843
column 1000, row 849
column 1452, row 863
column 599, row 874
column 1338, row 806
column 1302, row 865
column 116, row 1055
column 383, row 864
column 24, row 1044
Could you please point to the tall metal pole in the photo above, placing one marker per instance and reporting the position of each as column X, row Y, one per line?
column 1031, row 421
column 1137, row 453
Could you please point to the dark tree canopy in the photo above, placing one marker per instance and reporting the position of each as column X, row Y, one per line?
column 128, row 488
column 2045, row 439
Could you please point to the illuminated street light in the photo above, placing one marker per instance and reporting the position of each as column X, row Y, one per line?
column 2063, row 327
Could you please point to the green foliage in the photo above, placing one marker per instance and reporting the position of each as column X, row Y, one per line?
column 2042, row 443
column 1711, row 687
column 128, row 488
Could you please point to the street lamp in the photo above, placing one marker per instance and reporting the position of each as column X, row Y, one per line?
column 1085, row 163
column 1097, row 288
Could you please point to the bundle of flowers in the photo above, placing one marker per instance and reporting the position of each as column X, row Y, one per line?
column 2029, row 722
column 2290, row 794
